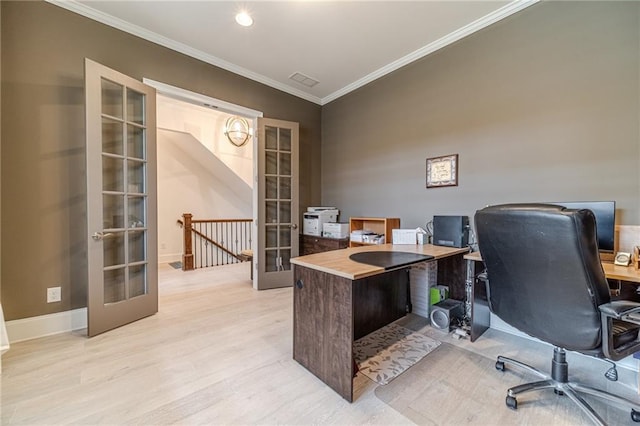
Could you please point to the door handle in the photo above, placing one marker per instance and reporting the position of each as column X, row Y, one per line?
column 294, row 226
column 100, row 235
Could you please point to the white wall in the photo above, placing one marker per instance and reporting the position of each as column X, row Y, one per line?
column 199, row 171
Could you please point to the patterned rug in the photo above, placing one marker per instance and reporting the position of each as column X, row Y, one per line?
column 386, row 353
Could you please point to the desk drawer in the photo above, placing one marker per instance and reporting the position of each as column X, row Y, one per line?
column 310, row 244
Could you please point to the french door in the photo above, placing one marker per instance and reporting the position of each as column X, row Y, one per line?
column 121, row 199
column 277, row 202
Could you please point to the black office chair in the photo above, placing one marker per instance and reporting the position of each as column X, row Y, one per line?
column 545, row 278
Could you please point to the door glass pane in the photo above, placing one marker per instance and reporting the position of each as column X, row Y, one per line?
column 285, row 140
column 135, row 184
column 136, row 212
column 285, row 211
column 137, row 280
column 112, row 174
column 112, row 211
column 135, row 141
column 271, row 212
column 271, row 162
column 114, row 285
column 137, row 246
column 113, row 249
column 135, row 106
column 112, row 136
column 271, row 237
column 277, row 206
column 285, row 236
column 286, row 259
column 285, row 164
column 270, row 260
column 271, row 137
column 271, row 187
column 112, row 99
column 285, row 188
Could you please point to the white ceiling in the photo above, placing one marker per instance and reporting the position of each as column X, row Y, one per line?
column 341, row 44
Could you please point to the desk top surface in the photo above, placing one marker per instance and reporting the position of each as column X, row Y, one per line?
column 616, row 272
column 337, row 262
column 624, row 273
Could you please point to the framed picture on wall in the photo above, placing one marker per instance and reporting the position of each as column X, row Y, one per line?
column 442, row 171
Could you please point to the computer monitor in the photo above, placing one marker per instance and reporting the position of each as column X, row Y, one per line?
column 605, row 213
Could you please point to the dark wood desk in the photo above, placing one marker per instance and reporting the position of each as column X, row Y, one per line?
column 478, row 306
column 336, row 301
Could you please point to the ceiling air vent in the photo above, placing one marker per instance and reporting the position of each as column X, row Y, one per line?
column 303, row 79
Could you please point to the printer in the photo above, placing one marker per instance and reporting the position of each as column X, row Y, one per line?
column 315, row 217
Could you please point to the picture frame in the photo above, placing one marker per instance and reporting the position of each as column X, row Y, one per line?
column 442, row 171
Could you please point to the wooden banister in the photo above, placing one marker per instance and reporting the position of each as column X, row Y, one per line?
column 211, row 242
column 187, row 253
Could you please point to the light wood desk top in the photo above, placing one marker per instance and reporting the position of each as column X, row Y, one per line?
column 616, row 272
column 337, row 262
column 624, row 273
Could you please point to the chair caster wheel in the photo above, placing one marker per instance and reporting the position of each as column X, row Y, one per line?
column 511, row 402
column 500, row 365
column 635, row 416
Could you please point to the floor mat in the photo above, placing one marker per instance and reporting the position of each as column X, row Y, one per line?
column 386, row 353
column 425, row 394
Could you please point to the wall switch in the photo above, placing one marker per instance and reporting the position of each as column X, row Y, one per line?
column 54, row 294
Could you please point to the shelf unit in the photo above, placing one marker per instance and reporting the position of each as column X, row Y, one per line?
column 379, row 225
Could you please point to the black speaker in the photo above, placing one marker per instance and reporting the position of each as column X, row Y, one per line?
column 443, row 313
column 451, row 231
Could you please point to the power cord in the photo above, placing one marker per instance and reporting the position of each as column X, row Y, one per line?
column 429, row 228
column 612, row 373
column 473, row 243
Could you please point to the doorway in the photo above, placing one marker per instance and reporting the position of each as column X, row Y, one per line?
column 268, row 168
column 199, row 171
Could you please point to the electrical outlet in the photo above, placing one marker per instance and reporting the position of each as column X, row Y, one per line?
column 54, row 294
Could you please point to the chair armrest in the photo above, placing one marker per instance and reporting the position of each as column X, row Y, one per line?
column 617, row 309
column 622, row 310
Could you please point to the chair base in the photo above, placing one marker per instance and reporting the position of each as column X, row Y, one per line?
column 559, row 382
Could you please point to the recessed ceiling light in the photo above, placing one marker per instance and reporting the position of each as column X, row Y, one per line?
column 244, row 19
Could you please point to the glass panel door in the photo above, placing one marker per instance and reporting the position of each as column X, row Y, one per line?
column 121, row 188
column 278, row 202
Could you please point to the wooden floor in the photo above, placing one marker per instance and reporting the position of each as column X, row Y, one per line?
column 217, row 352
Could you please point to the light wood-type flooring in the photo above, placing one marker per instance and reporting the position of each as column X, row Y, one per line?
column 217, row 352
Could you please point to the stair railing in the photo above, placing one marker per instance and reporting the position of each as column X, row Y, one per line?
column 213, row 242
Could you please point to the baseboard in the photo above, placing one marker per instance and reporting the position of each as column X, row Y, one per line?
column 46, row 325
column 168, row 258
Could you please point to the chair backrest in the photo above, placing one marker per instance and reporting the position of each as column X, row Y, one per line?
column 544, row 272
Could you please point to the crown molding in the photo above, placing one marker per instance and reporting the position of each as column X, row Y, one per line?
column 504, row 12
column 476, row 25
column 127, row 27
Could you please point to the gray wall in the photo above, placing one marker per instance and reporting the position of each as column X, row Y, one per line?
column 542, row 106
column 43, row 138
